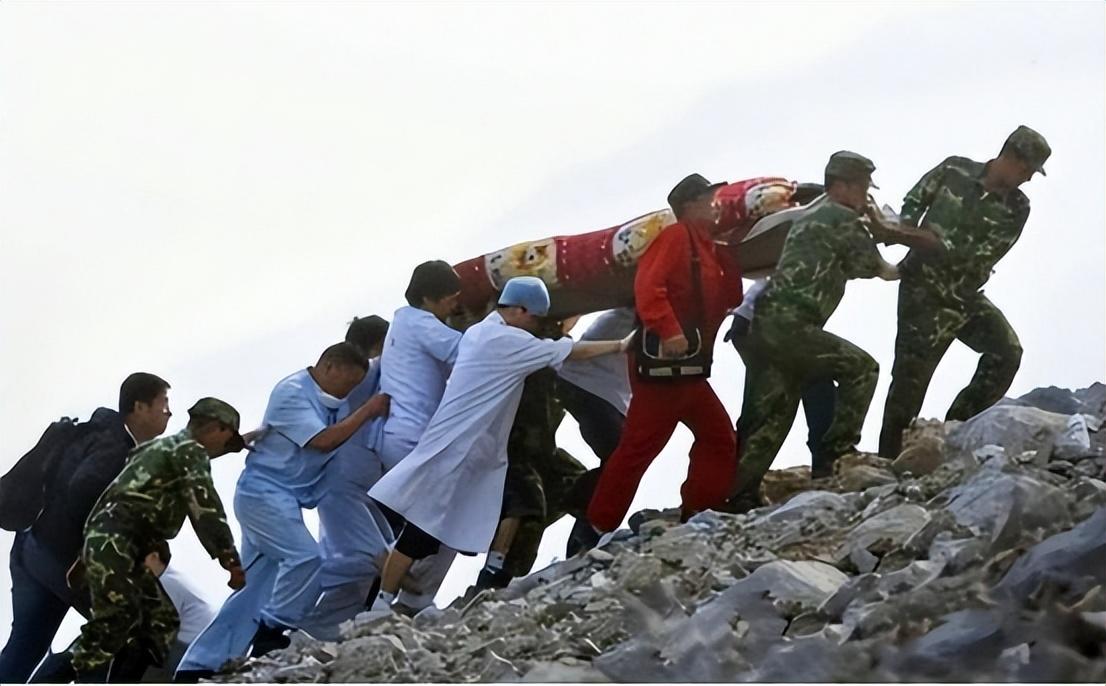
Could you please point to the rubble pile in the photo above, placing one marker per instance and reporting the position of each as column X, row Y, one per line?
column 979, row 554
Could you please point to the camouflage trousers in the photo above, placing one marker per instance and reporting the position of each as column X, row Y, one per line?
column 787, row 355
column 927, row 327
column 547, row 483
column 129, row 607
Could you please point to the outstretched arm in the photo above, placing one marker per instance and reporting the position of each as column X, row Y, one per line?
column 886, row 232
column 584, row 350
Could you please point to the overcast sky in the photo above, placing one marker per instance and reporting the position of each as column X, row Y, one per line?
column 211, row 191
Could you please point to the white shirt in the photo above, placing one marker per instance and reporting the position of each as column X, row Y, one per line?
column 606, row 376
column 195, row 614
column 749, row 300
column 451, row 485
column 419, row 352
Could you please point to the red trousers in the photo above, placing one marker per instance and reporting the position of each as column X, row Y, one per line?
column 655, row 409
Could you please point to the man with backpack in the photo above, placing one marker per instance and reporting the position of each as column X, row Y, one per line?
column 64, row 476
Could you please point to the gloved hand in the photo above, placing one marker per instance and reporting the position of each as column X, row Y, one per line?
column 738, row 329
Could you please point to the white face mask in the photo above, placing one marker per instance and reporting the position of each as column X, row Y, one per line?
column 329, row 401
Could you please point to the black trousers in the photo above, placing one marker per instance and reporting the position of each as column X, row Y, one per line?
column 40, row 600
column 601, row 428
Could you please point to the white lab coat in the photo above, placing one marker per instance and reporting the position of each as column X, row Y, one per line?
column 451, row 485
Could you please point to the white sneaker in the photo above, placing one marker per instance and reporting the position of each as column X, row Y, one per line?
column 379, row 610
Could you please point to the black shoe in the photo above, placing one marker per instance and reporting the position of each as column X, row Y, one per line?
column 269, row 638
column 57, row 668
column 740, row 504
column 192, row 676
column 582, row 539
column 99, row 675
column 490, row 579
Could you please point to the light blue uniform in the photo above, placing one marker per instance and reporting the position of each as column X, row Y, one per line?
column 352, row 531
column 281, row 558
column 419, row 352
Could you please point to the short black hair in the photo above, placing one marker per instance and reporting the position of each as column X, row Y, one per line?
column 367, row 332
column 344, row 355
column 434, row 280
column 140, row 387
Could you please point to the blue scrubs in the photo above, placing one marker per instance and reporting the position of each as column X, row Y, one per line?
column 419, row 352
column 352, row 529
column 282, row 560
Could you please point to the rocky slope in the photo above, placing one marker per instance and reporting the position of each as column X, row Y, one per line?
column 978, row 555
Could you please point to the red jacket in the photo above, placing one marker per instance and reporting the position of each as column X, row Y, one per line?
column 663, row 292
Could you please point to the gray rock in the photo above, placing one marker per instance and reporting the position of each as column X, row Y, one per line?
column 863, row 560
column 967, row 638
column 921, row 458
column 916, row 575
column 958, row 554
column 1075, row 441
column 1017, row 429
column 1074, row 560
column 805, row 584
column 887, row 530
column 1005, row 506
column 808, row 504
column 562, row 673
column 1090, row 400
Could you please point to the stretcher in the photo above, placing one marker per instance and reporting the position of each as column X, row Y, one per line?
column 594, row 271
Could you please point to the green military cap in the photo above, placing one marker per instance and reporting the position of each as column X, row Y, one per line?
column 213, row 408
column 850, row 166
column 1030, row 146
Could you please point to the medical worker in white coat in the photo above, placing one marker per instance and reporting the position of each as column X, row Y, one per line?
column 449, row 490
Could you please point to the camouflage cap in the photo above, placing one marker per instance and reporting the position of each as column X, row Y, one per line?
column 213, row 408
column 1030, row 146
column 850, row 166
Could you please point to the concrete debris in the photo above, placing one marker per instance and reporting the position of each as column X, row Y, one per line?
column 979, row 554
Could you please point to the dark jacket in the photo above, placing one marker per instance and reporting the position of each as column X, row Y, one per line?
column 83, row 472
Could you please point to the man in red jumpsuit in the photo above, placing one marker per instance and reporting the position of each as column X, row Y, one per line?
column 665, row 299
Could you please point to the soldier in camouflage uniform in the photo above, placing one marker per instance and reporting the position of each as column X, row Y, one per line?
column 539, row 475
column 978, row 212
column 164, row 481
column 824, row 249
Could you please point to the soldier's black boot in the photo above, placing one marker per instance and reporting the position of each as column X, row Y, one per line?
column 57, row 668
column 492, row 579
column 821, row 465
column 98, row 675
column 583, row 538
column 192, row 676
column 740, row 504
column 269, row 638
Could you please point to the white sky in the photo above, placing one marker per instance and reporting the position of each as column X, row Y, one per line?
column 210, row 191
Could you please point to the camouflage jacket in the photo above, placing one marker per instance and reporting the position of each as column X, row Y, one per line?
column 823, row 250
column 975, row 226
column 164, row 481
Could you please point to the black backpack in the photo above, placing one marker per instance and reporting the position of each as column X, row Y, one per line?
column 22, row 488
